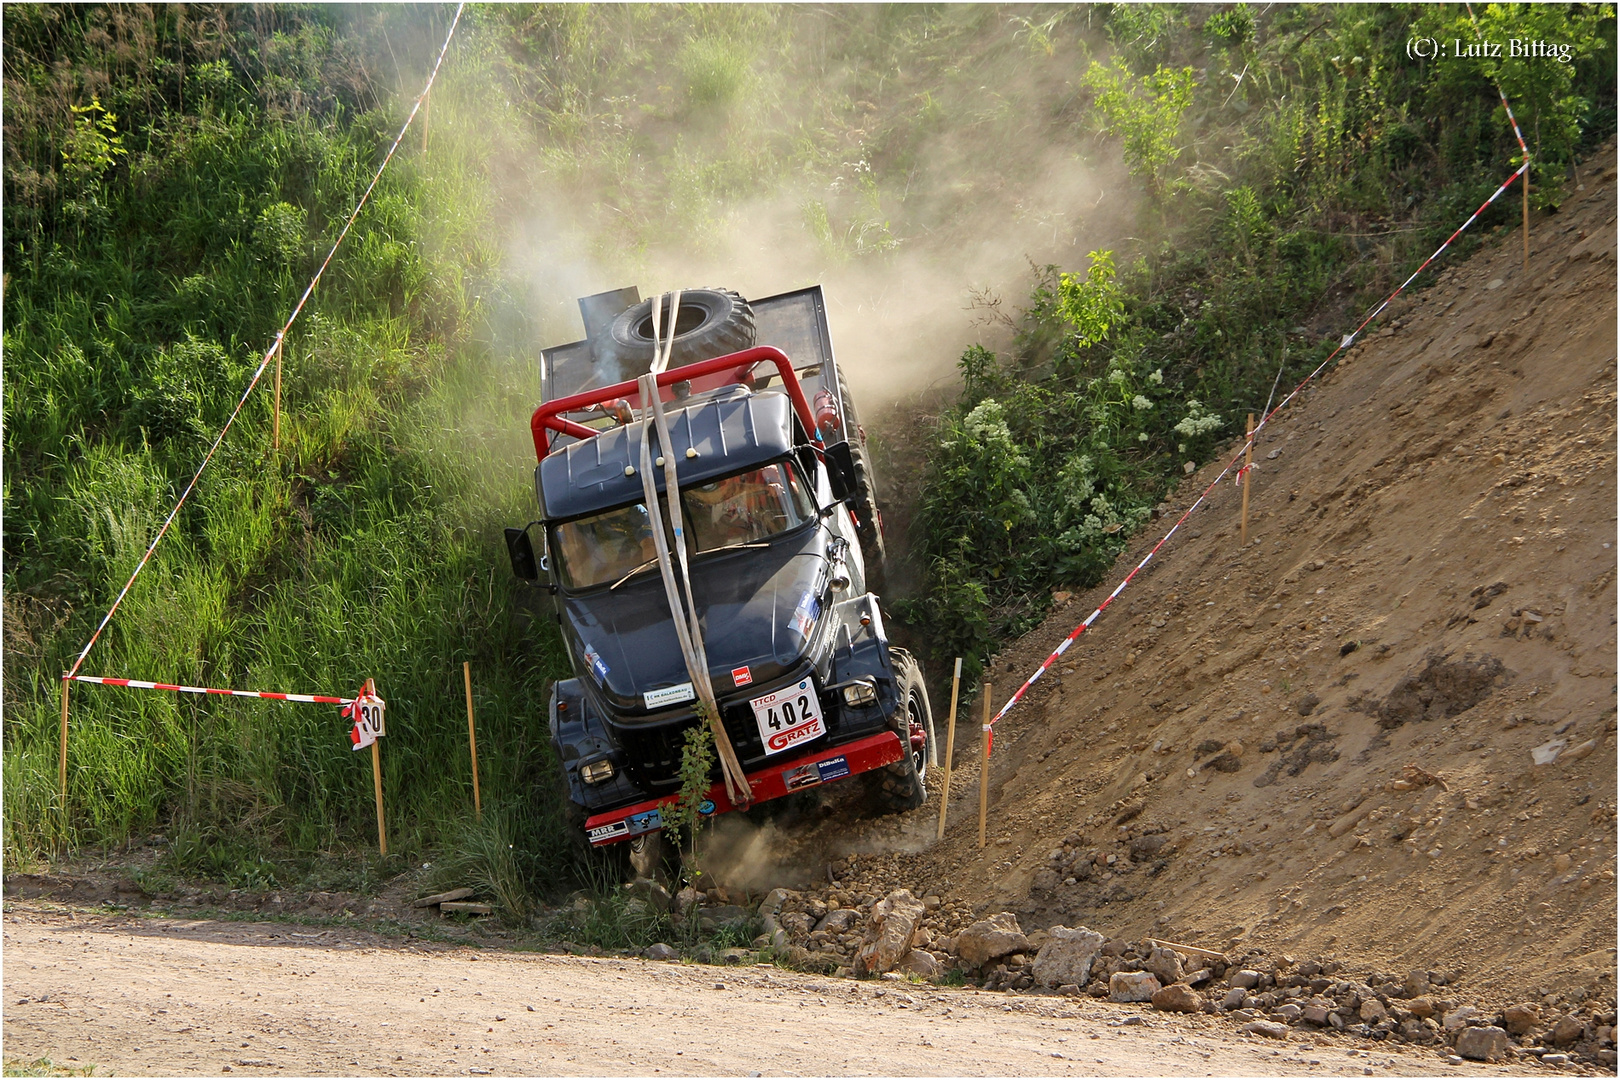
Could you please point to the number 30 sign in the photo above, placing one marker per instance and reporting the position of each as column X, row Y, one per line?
column 367, row 713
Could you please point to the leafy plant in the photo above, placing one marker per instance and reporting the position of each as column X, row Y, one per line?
column 1145, row 113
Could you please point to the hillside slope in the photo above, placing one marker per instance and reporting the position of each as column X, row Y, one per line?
column 1429, row 581
column 1223, row 761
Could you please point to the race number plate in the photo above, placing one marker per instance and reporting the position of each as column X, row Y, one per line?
column 788, row 718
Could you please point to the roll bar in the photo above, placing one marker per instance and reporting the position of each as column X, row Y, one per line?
column 738, row 366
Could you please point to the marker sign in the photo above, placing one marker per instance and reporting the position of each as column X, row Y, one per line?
column 367, row 713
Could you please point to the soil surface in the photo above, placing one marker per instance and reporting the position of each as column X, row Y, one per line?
column 138, row 996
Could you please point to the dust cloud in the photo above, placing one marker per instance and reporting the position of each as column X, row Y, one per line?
column 995, row 185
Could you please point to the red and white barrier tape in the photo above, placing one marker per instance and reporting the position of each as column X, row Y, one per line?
column 1348, row 340
column 141, row 684
column 271, row 352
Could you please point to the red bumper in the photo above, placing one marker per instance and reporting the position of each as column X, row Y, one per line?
column 772, row 782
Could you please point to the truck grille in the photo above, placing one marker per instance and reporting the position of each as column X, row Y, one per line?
column 653, row 753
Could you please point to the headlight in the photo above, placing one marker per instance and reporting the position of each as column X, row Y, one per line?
column 860, row 693
column 596, row 772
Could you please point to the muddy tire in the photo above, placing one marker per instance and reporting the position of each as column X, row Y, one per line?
column 903, row 785
column 710, row 323
column 653, row 857
column 863, row 503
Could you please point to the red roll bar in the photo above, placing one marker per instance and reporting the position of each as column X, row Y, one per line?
column 738, row 365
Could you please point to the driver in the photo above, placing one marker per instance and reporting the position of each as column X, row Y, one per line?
column 737, row 509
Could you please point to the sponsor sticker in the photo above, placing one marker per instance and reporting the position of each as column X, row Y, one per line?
column 804, row 615
column 706, row 807
column 646, row 821
column 669, row 695
column 801, row 776
column 788, row 717
column 598, row 668
column 608, row 831
column 741, row 676
column 833, row 768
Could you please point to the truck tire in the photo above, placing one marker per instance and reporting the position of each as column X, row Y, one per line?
column 654, row 857
column 709, row 323
column 903, row 785
column 863, row 503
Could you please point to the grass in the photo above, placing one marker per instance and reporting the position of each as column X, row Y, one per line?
column 45, row 1067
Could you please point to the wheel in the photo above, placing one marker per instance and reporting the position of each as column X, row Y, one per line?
column 653, row 857
column 903, row 785
column 863, row 503
column 709, row 323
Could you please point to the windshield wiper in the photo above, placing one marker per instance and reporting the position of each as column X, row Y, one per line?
column 632, row 573
column 736, row 547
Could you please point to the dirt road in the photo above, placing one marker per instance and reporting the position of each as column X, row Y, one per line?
column 152, row 996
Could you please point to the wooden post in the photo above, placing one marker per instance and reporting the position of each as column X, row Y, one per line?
column 950, row 749
column 1248, row 461
column 1527, row 215
column 61, row 751
column 984, row 768
column 275, row 416
column 376, row 782
column 472, row 738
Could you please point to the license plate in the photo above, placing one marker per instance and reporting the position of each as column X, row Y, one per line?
column 789, row 717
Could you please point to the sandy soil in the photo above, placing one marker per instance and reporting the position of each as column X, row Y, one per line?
column 153, row 996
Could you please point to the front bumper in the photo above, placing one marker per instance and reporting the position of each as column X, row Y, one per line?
column 771, row 782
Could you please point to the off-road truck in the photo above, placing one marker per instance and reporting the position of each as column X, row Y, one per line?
column 785, row 546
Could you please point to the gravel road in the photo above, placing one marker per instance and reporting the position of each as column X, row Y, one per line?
column 159, row 996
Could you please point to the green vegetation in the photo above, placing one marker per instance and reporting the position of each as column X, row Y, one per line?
column 1293, row 181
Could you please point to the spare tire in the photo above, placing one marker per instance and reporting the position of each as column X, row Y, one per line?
column 709, row 323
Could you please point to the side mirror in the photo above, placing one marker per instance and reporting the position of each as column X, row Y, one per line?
column 841, row 471
column 521, row 551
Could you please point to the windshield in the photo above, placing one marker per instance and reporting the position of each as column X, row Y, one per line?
column 742, row 509
column 745, row 508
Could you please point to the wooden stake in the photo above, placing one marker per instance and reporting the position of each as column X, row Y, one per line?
column 1527, row 215
column 1248, row 460
column 472, row 738
column 950, row 749
column 984, row 768
column 376, row 782
column 275, row 416
column 61, row 752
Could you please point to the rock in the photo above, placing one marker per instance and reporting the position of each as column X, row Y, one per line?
column 1289, row 1012
column 1244, row 979
column 1520, row 1019
column 839, row 921
column 1458, row 1018
column 1069, row 990
column 655, row 895
column 1165, row 963
column 990, row 938
column 1372, row 1011
column 920, row 963
column 1421, row 1007
column 1308, row 704
column 888, row 934
column 660, row 951
column 735, row 956
column 1045, row 881
column 1234, row 997
column 1067, row 956
column 1548, row 752
column 711, row 919
column 685, row 899
column 1555, row 1059
column 1482, row 1043
column 1566, row 1031
column 1132, row 986
column 1267, row 1028
column 1178, row 997
column 439, row 898
column 797, row 923
column 1315, row 1014
column 1416, row 985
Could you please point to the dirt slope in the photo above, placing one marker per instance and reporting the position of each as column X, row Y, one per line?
column 1429, row 581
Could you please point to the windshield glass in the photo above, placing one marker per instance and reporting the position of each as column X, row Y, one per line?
column 751, row 506
column 602, row 548
column 742, row 509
